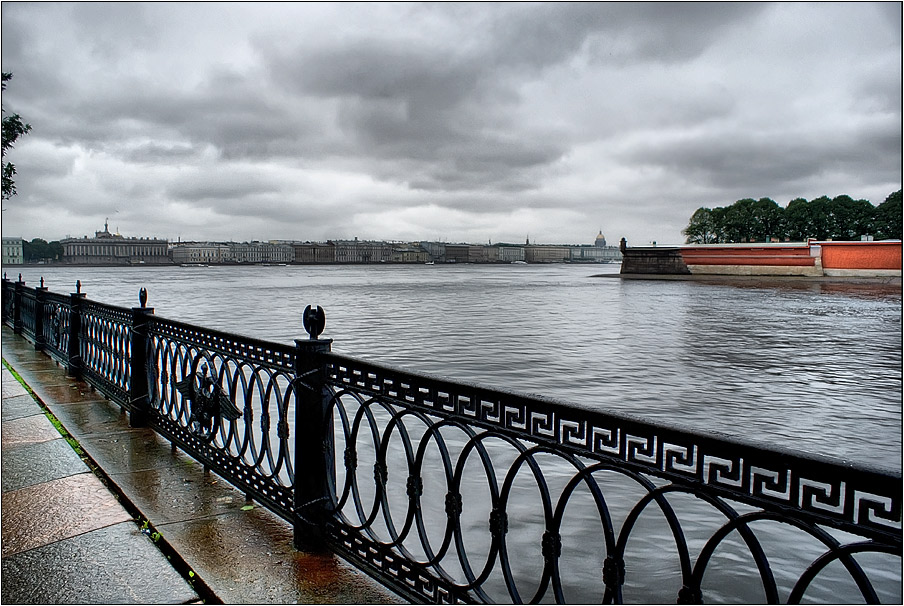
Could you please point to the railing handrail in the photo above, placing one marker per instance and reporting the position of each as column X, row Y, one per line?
column 222, row 336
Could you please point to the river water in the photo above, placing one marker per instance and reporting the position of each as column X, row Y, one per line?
column 813, row 367
column 807, row 366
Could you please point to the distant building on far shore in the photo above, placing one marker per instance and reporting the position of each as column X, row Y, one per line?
column 113, row 249
column 510, row 254
column 362, row 251
column 200, row 253
column 599, row 252
column 315, row 252
column 107, row 248
column 237, row 253
column 546, row 253
column 260, row 252
column 13, row 251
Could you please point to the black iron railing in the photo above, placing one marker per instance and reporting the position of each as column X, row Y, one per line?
column 449, row 492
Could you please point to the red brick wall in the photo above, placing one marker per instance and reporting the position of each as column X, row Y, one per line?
column 861, row 255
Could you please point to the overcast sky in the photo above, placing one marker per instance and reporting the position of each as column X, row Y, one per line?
column 445, row 121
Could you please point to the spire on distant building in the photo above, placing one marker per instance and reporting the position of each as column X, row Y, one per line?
column 106, row 233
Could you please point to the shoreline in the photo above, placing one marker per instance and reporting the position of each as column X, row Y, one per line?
column 727, row 278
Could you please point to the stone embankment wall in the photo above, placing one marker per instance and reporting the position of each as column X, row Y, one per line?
column 813, row 259
column 653, row 260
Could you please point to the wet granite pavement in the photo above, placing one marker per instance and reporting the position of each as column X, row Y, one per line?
column 68, row 538
column 65, row 537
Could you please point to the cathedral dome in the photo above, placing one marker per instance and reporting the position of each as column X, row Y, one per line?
column 600, row 240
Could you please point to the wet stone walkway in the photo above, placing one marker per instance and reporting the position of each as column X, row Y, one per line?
column 67, row 539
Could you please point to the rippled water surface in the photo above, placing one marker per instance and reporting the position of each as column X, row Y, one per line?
column 808, row 366
column 814, row 367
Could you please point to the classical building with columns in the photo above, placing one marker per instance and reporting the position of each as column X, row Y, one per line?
column 12, row 251
column 107, row 248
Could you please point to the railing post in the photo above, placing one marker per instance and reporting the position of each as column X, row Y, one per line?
column 17, row 306
column 73, row 356
column 314, row 459
column 40, row 293
column 139, row 404
column 6, row 297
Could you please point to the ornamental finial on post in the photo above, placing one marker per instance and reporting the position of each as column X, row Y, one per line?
column 143, row 297
column 314, row 320
column 78, row 286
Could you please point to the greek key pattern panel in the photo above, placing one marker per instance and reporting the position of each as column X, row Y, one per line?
column 262, row 353
column 858, row 499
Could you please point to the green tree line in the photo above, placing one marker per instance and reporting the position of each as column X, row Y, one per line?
column 41, row 250
column 824, row 218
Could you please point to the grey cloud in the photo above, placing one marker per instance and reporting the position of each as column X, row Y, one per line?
column 497, row 165
column 877, row 92
column 280, row 210
column 160, row 153
column 219, row 186
column 435, row 105
column 110, row 30
column 430, row 112
column 541, row 34
column 741, row 161
column 375, row 69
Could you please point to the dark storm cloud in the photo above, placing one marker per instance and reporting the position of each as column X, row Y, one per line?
column 422, row 105
column 156, row 153
column 227, row 186
column 661, row 32
column 410, row 120
column 743, row 161
column 449, row 111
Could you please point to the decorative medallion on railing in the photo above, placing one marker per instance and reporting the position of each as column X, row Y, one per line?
column 207, row 402
column 9, row 301
column 229, row 401
column 54, row 327
column 57, row 312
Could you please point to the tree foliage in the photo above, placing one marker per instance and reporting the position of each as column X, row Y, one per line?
column 701, row 228
column 823, row 218
column 13, row 128
column 41, row 250
column 887, row 218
